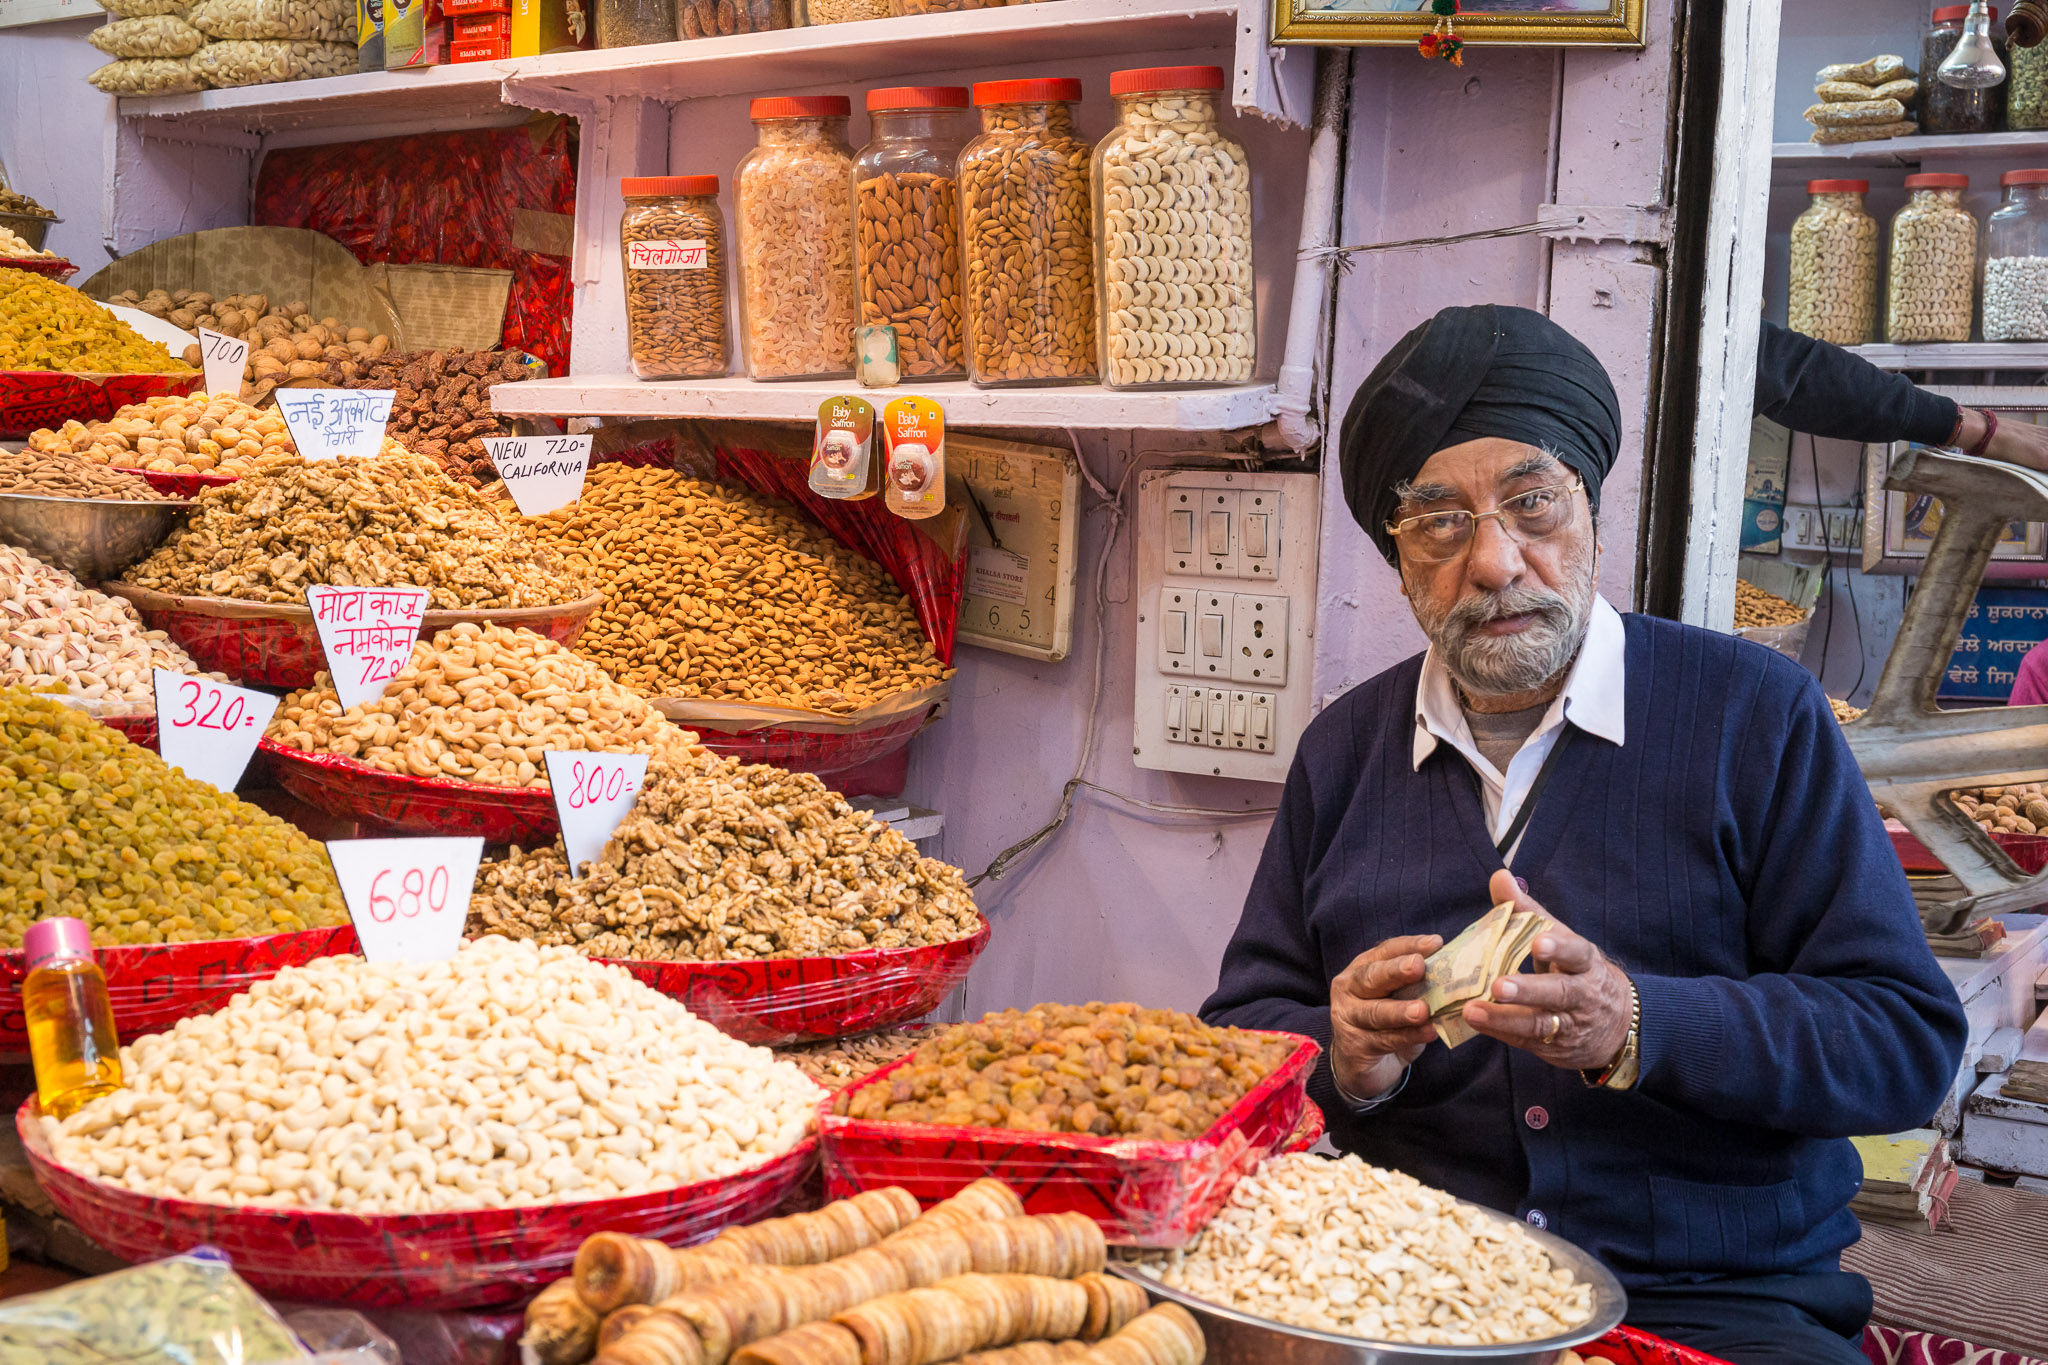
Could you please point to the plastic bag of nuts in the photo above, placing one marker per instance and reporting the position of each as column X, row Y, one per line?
column 1834, row 265
column 673, row 241
column 908, row 202
column 1025, row 239
column 155, row 35
column 327, row 21
column 793, row 211
column 147, row 76
column 136, row 9
column 262, row 61
column 1931, row 292
column 1173, row 199
column 723, row 18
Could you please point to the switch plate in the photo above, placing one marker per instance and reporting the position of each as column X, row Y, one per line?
column 1258, row 536
column 1214, row 617
column 1188, row 502
column 1218, row 526
column 1824, row 529
column 1258, row 639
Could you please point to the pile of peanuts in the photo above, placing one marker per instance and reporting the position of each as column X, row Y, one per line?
column 910, row 267
column 58, row 474
column 1932, row 288
column 480, row 703
column 2006, row 810
column 58, row 634
column 675, row 314
column 507, row 1075
column 191, row 435
column 1834, row 271
column 793, row 206
column 1754, row 607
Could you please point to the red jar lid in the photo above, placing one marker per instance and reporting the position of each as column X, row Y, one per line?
column 640, row 186
column 1938, row 181
column 918, row 97
column 1945, row 13
column 1144, row 79
column 2035, row 177
column 1049, row 90
column 800, row 106
column 1838, row 187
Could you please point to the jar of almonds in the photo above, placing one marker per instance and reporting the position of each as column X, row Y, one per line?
column 1026, row 241
column 673, row 240
column 793, row 197
column 1932, row 290
column 1834, row 265
column 907, row 199
column 1173, row 233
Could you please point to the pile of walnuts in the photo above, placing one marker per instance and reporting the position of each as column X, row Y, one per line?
column 442, row 402
column 286, row 342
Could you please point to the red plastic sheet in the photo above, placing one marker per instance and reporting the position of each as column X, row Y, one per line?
column 478, row 198
column 1900, row 1346
column 828, row 753
column 56, row 268
column 399, row 804
column 1152, row 1194
column 136, row 729
column 1627, row 1346
column 774, row 1002
column 180, row 485
column 30, row 399
column 154, row 985
column 476, row 1259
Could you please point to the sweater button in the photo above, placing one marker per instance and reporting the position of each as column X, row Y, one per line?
column 1536, row 1116
column 1537, row 1220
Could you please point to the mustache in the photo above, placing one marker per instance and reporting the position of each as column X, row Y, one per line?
column 1479, row 609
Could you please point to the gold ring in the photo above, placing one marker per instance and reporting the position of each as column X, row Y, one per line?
column 1556, row 1026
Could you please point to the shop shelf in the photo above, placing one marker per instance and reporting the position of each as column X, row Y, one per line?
column 1909, row 151
column 446, row 95
column 1088, row 405
column 1957, row 355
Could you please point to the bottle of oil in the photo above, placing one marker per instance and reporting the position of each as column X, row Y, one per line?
column 70, row 1021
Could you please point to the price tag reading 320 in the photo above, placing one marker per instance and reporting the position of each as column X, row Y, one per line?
column 329, row 424
column 592, row 793
column 207, row 728
column 223, row 358
column 368, row 635
column 409, row 898
column 541, row 472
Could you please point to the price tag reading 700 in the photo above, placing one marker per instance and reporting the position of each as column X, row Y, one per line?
column 592, row 793
column 409, row 898
column 223, row 358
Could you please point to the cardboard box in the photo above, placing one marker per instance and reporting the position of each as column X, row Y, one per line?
column 471, row 28
column 479, row 49
column 447, row 307
column 456, row 8
column 415, row 34
column 540, row 26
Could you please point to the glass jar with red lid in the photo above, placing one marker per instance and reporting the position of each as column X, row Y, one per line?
column 793, row 214
column 1931, row 291
column 907, row 208
column 1946, row 108
column 2016, row 260
column 672, row 239
column 1833, row 294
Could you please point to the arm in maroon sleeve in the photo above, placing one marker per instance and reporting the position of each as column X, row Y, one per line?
column 2031, row 687
column 1812, row 386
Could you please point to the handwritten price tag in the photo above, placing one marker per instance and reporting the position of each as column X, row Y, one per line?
column 592, row 793
column 329, row 424
column 368, row 635
column 541, row 472
column 409, row 898
column 207, row 728
column 223, row 358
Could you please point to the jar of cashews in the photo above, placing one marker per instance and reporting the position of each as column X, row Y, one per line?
column 793, row 206
column 1173, row 236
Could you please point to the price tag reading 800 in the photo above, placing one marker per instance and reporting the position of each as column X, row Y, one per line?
column 592, row 793
column 409, row 898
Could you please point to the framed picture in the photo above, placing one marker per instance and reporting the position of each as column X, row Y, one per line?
column 1898, row 528
column 1481, row 23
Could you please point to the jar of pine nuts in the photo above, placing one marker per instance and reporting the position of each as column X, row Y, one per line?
column 907, row 205
column 793, row 206
column 673, row 240
column 1173, row 234
column 1025, row 238
column 1834, row 265
column 1932, row 289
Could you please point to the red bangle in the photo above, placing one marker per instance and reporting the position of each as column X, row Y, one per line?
column 1955, row 433
column 1990, row 430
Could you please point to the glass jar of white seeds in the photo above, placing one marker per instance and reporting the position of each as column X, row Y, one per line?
column 2016, row 260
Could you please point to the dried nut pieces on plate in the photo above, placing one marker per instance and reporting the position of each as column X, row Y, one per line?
column 394, row 519
column 721, row 861
column 342, row 1066
column 196, row 434
column 1347, row 1248
column 58, row 634
column 48, row 326
column 441, row 402
column 105, row 830
column 1843, row 711
column 843, row 1061
column 57, row 474
column 1106, row 1070
column 715, row 592
column 479, row 703
column 2006, row 810
column 1755, row 607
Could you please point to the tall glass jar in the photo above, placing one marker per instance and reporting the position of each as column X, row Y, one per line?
column 1945, row 108
column 723, row 18
column 1834, row 265
column 627, row 23
column 907, row 207
column 2026, row 88
column 807, row 12
column 2016, row 260
column 673, row 240
column 1932, row 287
column 1173, row 236
column 1025, row 237
column 793, row 208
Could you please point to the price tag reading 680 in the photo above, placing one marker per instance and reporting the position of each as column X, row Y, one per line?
column 409, row 898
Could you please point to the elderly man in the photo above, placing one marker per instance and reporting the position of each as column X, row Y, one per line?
column 1740, row 983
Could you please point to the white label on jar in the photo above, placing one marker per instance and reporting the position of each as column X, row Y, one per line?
column 668, row 255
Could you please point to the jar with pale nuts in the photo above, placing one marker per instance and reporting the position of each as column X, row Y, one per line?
column 1932, row 289
column 793, row 207
column 944, row 6
column 1173, row 236
column 1026, row 240
column 629, row 23
column 2016, row 260
column 673, row 241
column 1834, row 265
column 907, row 201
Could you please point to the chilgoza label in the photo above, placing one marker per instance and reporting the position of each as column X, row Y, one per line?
column 668, row 255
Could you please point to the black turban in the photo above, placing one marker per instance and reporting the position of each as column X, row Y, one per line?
column 1470, row 373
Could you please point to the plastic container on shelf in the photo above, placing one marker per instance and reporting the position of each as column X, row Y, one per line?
column 793, row 213
column 628, row 23
column 1833, row 294
column 673, row 240
column 1026, row 239
column 907, row 211
column 1931, row 291
column 1173, row 223
column 1945, row 108
column 2016, row 260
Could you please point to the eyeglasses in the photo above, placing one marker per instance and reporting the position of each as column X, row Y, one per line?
column 1540, row 513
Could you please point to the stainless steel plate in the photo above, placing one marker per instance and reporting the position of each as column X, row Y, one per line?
column 1237, row 1338
column 94, row 538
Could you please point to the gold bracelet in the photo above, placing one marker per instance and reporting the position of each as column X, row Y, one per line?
column 1621, row 1073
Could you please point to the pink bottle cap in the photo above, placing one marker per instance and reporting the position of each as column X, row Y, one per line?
column 48, row 939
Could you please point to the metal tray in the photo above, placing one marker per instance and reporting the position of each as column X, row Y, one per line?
column 94, row 538
column 1237, row 1338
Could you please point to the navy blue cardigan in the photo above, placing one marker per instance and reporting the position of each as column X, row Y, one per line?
column 1729, row 857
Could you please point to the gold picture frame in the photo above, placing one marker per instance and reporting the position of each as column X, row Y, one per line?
column 1483, row 23
column 1898, row 528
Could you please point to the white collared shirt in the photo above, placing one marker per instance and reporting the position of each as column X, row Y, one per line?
column 1594, row 699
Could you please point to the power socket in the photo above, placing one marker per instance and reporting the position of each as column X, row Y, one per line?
column 1839, row 529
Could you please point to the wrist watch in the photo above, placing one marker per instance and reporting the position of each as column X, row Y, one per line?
column 1622, row 1071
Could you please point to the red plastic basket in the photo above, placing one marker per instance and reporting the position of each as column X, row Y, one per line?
column 46, row 398
column 1627, row 1345
column 397, row 804
column 2030, row 851
column 138, row 729
column 774, row 1002
column 154, row 985
column 1153, row 1194
column 56, row 267
column 178, row 484
column 827, row 753
column 473, row 1259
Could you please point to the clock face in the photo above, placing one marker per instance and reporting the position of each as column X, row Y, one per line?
column 1022, row 523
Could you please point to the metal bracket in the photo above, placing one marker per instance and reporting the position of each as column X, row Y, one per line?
column 1634, row 224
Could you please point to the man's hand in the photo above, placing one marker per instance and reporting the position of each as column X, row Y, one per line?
column 2021, row 443
column 1372, row 1036
column 1576, row 1014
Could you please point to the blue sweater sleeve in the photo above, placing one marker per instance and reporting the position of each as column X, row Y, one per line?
column 1846, row 1024
column 1812, row 386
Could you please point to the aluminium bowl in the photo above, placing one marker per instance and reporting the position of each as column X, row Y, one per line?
column 94, row 538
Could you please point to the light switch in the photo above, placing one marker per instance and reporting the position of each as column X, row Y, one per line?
column 1176, row 632
column 1262, row 718
column 1180, row 533
column 1216, row 709
column 1212, row 635
column 1198, row 712
column 1219, row 533
column 1254, row 538
column 1240, row 717
column 1176, row 711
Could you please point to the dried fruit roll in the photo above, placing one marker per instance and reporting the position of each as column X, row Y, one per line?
column 1166, row 1335
column 814, row 1343
column 916, row 1327
column 561, row 1329
column 740, row 1311
column 838, row 1229
column 932, row 1257
column 613, row 1270
column 658, row 1339
column 1060, row 1244
column 980, row 1201
column 1112, row 1302
column 1029, row 1353
column 1012, row 1308
column 620, row 1321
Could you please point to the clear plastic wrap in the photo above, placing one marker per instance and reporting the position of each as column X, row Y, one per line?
column 185, row 1310
column 400, row 804
column 264, row 61
column 135, row 9
column 178, row 484
column 1152, row 1194
column 147, row 76
column 48, row 398
column 154, row 35
column 325, row 21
